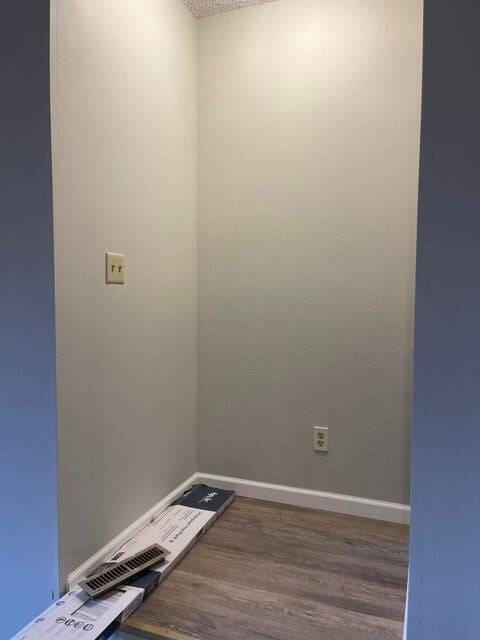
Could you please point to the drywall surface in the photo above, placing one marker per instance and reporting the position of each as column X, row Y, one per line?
column 124, row 181
column 308, row 161
column 445, row 556
column 28, row 484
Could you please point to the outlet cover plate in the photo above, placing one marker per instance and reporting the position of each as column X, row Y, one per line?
column 320, row 439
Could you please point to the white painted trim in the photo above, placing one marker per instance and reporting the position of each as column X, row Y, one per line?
column 405, row 623
column 363, row 507
column 128, row 533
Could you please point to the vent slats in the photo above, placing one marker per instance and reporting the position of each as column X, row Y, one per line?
column 119, row 573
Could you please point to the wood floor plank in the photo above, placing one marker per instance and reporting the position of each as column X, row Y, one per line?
column 267, row 571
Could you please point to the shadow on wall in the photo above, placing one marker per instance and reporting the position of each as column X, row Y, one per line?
column 28, row 488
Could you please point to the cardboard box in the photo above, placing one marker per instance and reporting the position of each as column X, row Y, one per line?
column 179, row 527
column 78, row 616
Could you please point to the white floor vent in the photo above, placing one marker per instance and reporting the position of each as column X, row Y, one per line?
column 112, row 575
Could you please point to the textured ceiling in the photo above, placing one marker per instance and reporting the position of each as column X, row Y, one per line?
column 203, row 8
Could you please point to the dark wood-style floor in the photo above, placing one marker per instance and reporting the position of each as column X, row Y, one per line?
column 266, row 571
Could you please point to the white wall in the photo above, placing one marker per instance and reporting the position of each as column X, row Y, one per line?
column 124, row 119
column 308, row 155
column 308, row 162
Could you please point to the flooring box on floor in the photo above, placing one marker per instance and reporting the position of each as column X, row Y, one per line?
column 176, row 529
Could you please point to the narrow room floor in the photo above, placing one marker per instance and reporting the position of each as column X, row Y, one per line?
column 266, row 570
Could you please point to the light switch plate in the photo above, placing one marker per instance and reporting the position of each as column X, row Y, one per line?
column 115, row 268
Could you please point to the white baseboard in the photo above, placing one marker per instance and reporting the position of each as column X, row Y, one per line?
column 97, row 559
column 351, row 505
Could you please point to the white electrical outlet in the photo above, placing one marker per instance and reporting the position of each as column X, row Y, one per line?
column 320, row 439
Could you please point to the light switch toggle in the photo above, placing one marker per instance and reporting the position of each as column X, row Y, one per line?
column 115, row 268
